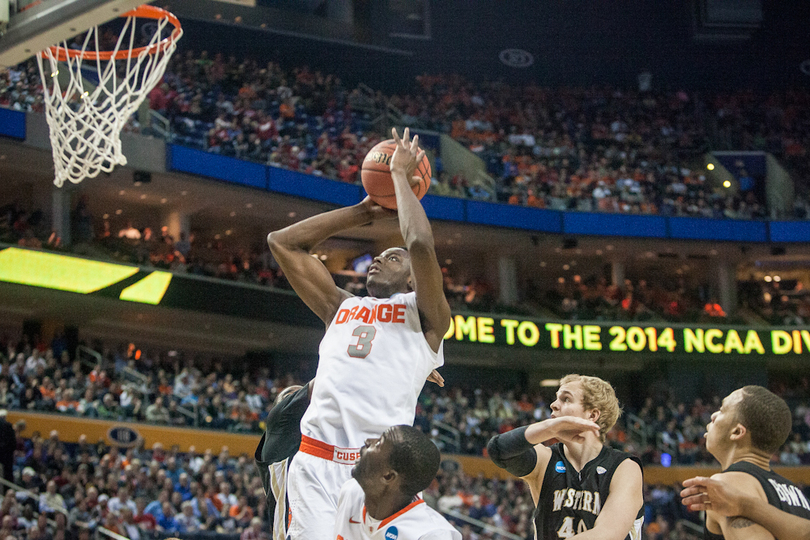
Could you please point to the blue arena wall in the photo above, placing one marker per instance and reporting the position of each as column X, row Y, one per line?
column 474, row 212
column 278, row 180
column 12, row 123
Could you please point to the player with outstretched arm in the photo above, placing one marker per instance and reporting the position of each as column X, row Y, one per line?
column 581, row 488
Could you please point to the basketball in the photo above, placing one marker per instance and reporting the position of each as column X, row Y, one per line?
column 376, row 175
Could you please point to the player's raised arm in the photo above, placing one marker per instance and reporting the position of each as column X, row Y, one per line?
column 521, row 451
column 309, row 278
column 418, row 236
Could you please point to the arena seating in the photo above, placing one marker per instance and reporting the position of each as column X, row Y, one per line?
column 45, row 379
column 587, row 149
column 591, row 149
column 49, row 381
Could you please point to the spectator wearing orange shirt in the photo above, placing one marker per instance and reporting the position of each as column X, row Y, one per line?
column 48, row 390
column 68, row 403
column 348, row 171
column 534, row 200
column 713, row 309
column 241, row 512
column 165, row 388
column 286, row 110
column 99, row 377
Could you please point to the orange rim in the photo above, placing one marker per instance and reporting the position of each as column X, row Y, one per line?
column 143, row 12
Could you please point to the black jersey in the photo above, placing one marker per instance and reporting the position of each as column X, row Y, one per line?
column 781, row 493
column 570, row 501
column 279, row 443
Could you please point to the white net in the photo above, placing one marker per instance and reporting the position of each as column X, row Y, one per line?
column 86, row 118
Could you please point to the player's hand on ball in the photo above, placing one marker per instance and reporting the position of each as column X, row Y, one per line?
column 407, row 155
column 376, row 211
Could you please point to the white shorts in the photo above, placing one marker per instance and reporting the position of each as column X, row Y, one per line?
column 313, row 487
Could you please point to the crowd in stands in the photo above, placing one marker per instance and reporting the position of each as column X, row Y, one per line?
column 593, row 298
column 594, row 149
column 71, row 489
column 780, row 302
column 590, row 149
column 46, row 379
column 662, row 430
column 131, row 384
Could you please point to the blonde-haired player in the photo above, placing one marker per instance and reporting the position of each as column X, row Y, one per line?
column 377, row 350
column 581, row 488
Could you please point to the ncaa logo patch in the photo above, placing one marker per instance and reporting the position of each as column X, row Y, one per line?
column 601, row 470
column 559, row 467
column 391, row 533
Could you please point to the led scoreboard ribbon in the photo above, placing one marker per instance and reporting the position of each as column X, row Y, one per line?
column 659, row 338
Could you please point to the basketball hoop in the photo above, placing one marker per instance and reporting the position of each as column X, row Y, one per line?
column 85, row 123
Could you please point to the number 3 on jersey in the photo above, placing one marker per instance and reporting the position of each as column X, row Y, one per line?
column 365, row 335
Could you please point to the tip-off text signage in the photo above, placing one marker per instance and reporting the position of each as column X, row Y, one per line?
column 560, row 336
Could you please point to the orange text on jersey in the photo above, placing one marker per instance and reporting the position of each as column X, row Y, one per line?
column 386, row 313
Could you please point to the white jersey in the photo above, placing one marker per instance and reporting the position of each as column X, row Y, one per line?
column 417, row 521
column 374, row 360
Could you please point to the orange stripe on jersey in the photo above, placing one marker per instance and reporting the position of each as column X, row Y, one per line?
column 316, row 448
column 390, row 518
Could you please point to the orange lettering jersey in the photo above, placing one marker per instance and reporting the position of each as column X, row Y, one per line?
column 417, row 521
column 373, row 363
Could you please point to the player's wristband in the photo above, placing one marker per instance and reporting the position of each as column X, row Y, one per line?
column 511, row 451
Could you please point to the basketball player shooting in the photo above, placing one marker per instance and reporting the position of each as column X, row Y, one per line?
column 377, row 351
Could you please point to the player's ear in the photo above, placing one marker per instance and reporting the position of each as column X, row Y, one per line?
column 390, row 476
column 738, row 432
column 594, row 415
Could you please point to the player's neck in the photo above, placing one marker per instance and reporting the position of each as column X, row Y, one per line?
column 384, row 507
column 384, row 292
column 748, row 455
column 580, row 453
